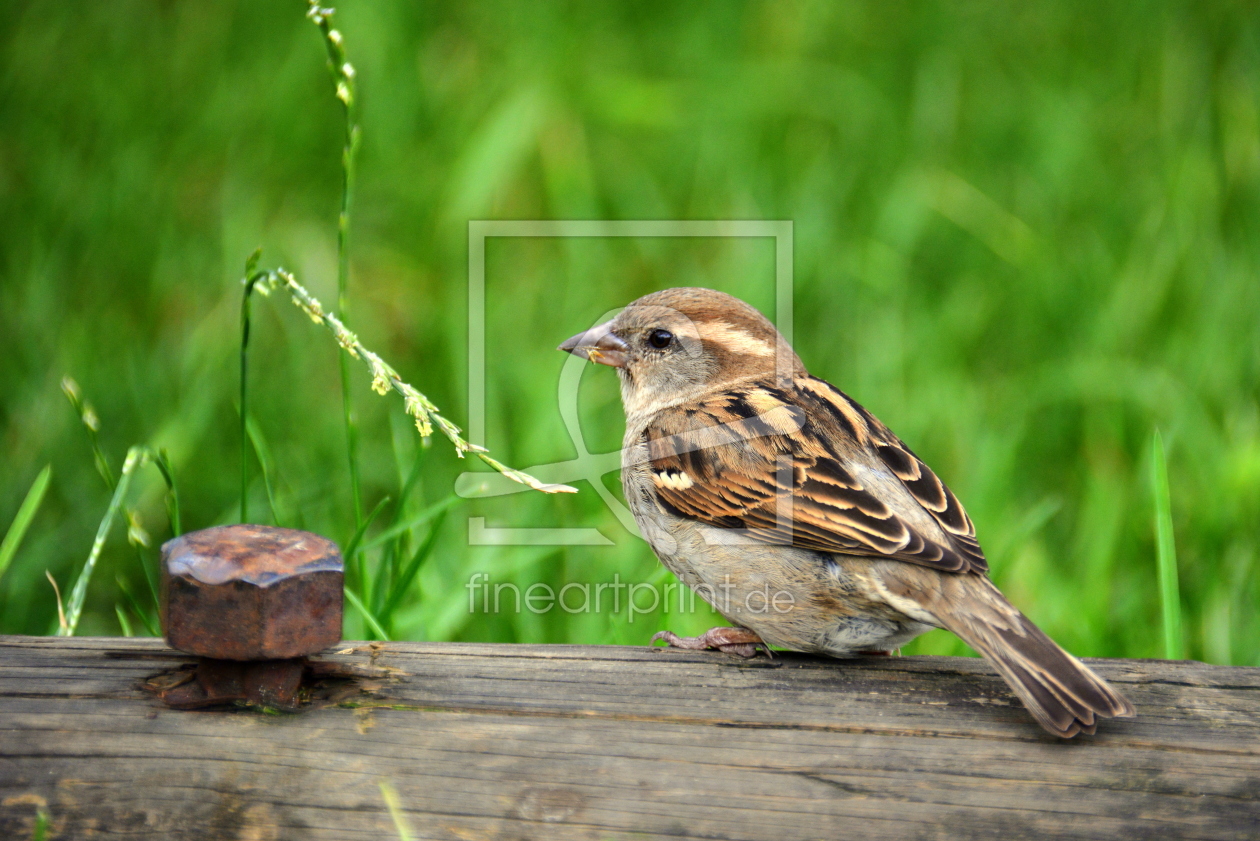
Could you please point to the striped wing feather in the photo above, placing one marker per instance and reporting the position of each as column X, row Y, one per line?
column 783, row 464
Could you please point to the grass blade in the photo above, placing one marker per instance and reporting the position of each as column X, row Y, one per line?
column 367, row 615
column 252, row 277
column 413, row 566
column 22, row 520
column 61, row 613
column 418, row 520
column 163, row 461
column 352, row 439
column 395, row 811
column 409, row 484
column 150, row 625
column 123, row 621
column 1166, row 552
column 395, row 549
column 353, row 546
column 263, row 453
column 386, row 571
column 135, row 457
column 40, row 832
column 353, row 555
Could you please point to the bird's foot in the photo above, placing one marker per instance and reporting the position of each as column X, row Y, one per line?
column 740, row 641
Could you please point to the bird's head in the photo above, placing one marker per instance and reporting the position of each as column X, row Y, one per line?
column 677, row 344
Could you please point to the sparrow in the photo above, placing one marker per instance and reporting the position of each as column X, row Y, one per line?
column 798, row 515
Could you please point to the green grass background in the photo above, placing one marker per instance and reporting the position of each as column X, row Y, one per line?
column 1025, row 237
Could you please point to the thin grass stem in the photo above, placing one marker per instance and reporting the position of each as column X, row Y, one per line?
column 352, row 441
column 1166, row 550
column 263, row 453
column 344, row 88
column 252, row 277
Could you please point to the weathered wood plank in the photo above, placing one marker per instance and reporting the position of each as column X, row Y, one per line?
column 567, row 742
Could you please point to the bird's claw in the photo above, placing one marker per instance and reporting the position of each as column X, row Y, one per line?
column 739, row 641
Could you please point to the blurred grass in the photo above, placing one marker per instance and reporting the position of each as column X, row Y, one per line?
column 1025, row 238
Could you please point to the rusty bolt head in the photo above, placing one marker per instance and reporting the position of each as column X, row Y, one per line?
column 251, row 593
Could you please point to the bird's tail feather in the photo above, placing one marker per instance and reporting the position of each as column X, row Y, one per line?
column 1062, row 693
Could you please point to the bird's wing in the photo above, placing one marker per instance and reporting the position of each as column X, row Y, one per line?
column 809, row 467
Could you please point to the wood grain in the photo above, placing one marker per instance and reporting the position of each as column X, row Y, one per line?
column 602, row 742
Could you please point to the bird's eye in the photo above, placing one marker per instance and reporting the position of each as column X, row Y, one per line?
column 660, row 338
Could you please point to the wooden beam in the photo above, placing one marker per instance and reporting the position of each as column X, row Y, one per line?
column 605, row 742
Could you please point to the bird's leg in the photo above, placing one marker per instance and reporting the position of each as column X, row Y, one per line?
column 739, row 641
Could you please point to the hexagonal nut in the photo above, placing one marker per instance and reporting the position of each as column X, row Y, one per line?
column 251, row 593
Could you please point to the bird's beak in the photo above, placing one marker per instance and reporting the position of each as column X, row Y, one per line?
column 599, row 344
